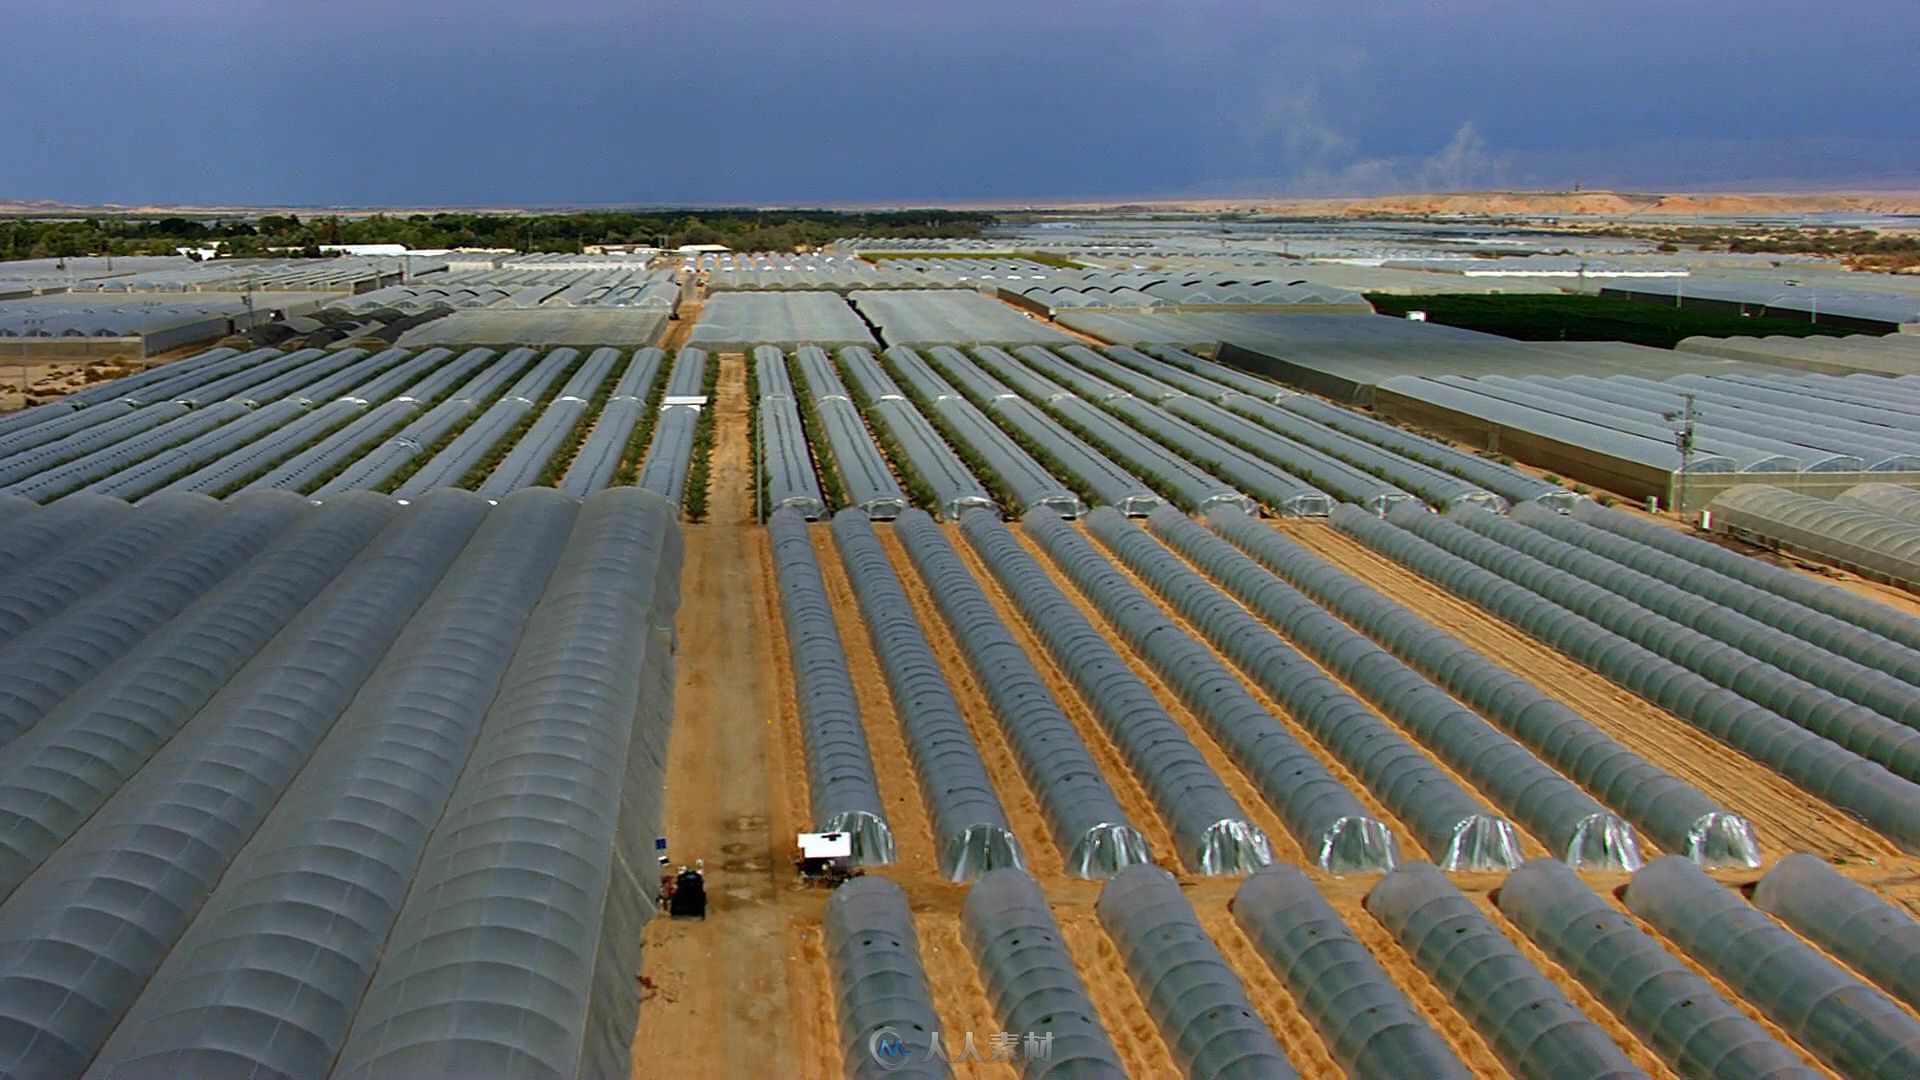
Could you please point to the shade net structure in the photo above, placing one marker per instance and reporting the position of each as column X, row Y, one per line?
column 1849, row 1025
column 949, row 317
column 841, row 786
column 970, row 825
column 1678, row 1013
column 1196, row 1000
column 1524, row 1017
column 1868, row 541
column 1030, row 977
column 1092, row 832
column 1889, row 499
column 410, row 684
column 1211, row 828
column 1369, row 1026
column 738, row 321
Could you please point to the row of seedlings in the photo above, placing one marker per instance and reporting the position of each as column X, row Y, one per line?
column 786, row 463
column 1843, row 678
column 1320, row 446
column 1572, row 823
column 1818, row 596
column 454, row 463
column 699, row 485
column 1452, row 825
column 555, row 429
column 1823, row 1006
column 1028, row 484
column 1180, row 481
column 917, row 449
column 601, row 759
column 417, row 715
column 1337, row 477
column 971, row 832
column 598, row 459
column 881, row 996
column 309, row 468
column 1673, row 813
column 1678, row 1014
column 1030, row 978
column 866, row 481
column 389, row 373
column 841, row 786
column 1885, row 802
column 1196, row 1000
column 1526, row 1019
column 670, row 456
column 1370, row 1028
column 1767, row 605
column 83, row 635
column 271, row 716
column 1283, row 492
column 1045, row 438
column 1642, row 619
column 383, row 466
column 1324, row 818
column 92, row 562
column 1209, row 825
column 1091, row 830
column 134, row 699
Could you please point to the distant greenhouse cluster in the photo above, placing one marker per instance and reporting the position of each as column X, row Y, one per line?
column 322, row 423
column 843, row 273
column 1138, row 289
column 345, row 272
column 523, row 287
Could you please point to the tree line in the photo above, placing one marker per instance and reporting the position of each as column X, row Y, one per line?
column 762, row 230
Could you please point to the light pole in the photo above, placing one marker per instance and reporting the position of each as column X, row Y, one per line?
column 1683, row 441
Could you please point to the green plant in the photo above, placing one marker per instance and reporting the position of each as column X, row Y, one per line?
column 825, row 463
column 694, row 501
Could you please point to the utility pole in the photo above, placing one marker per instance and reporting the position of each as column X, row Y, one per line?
column 1683, row 442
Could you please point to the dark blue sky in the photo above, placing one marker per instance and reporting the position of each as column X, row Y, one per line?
column 499, row 102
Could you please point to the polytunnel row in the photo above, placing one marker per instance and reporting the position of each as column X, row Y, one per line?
column 451, row 465
column 527, row 461
column 1847, row 920
column 27, row 531
column 1209, row 825
column 1091, row 830
column 1324, row 818
column 304, row 704
column 1678, row 1014
column 1446, row 820
column 1028, row 483
column 377, row 468
column 1110, row 484
column 1212, row 381
column 1286, row 493
column 1846, row 1023
column 1642, row 621
column 786, row 463
column 1882, row 800
column 1170, row 475
column 1528, row 1021
column 1339, row 478
column 1573, row 825
column 601, row 453
column 913, row 443
column 971, row 833
column 1030, row 979
column 1370, row 1028
column 841, row 786
column 863, row 470
column 881, row 996
column 1197, row 1001
column 1799, row 588
column 664, row 472
column 88, row 634
column 1677, row 816
column 1838, row 676
column 1835, row 635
